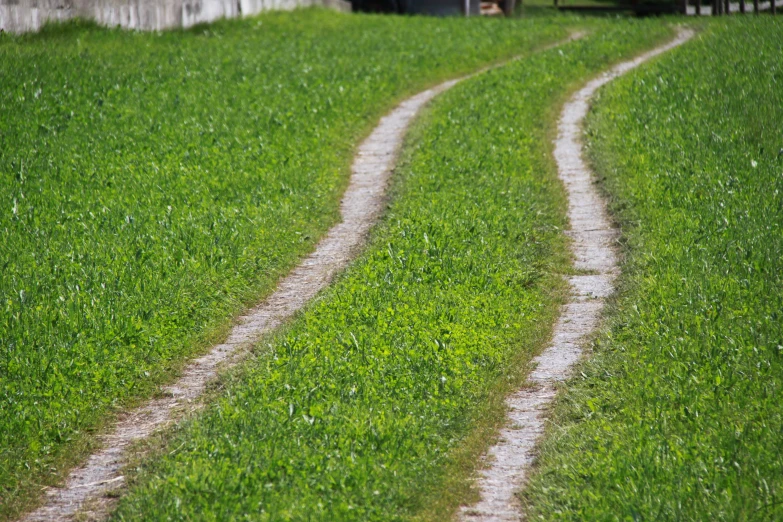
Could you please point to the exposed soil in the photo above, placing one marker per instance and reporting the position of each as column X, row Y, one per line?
column 593, row 237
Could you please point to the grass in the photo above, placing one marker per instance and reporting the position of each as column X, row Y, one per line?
column 367, row 407
column 678, row 416
column 152, row 185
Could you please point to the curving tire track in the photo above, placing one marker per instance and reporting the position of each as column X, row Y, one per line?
column 593, row 236
column 360, row 207
column 87, row 489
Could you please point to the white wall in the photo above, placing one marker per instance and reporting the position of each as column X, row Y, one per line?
column 17, row 16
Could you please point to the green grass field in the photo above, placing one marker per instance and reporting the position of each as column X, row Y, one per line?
column 678, row 416
column 153, row 185
column 366, row 408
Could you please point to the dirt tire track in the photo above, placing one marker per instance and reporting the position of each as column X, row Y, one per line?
column 593, row 238
column 360, row 206
column 87, row 488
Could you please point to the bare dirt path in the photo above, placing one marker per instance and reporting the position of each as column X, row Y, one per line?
column 593, row 237
column 87, row 489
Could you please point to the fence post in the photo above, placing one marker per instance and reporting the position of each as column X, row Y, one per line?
column 727, row 7
column 756, row 6
column 742, row 6
column 684, row 7
column 773, row 8
column 698, row 7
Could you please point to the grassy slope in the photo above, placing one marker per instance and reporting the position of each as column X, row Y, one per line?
column 361, row 408
column 679, row 414
column 153, row 184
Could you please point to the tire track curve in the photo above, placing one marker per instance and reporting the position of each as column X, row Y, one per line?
column 87, row 489
column 593, row 236
column 361, row 204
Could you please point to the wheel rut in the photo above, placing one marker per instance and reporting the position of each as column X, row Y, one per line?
column 593, row 236
column 360, row 207
column 87, row 491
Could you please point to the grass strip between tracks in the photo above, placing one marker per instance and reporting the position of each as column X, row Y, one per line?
column 152, row 185
column 367, row 407
column 678, row 417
